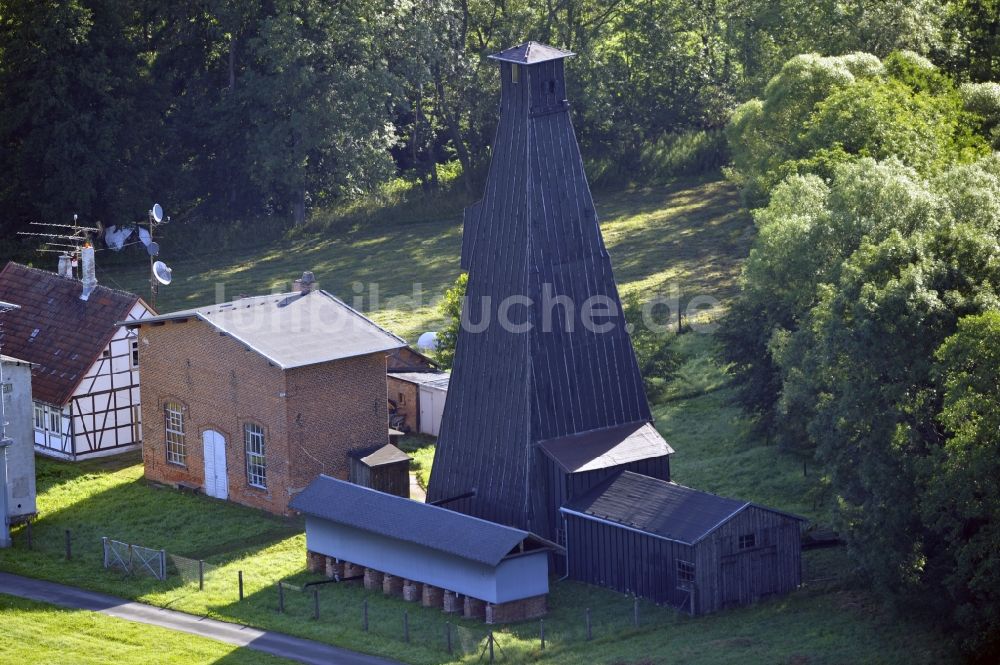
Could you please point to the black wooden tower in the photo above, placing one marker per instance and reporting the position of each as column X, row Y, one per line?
column 535, row 416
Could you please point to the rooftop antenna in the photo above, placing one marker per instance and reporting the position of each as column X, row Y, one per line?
column 159, row 273
column 63, row 239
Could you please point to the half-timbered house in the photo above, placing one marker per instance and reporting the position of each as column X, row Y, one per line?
column 85, row 379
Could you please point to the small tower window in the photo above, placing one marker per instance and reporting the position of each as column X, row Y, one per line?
column 515, row 73
column 552, row 87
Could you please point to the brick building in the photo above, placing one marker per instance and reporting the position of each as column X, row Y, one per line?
column 253, row 399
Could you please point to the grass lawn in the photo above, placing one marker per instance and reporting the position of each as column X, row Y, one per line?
column 38, row 633
column 690, row 235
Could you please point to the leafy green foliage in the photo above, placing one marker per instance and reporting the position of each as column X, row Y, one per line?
column 451, row 311
column 962, row 497
column 819, row 112
column 653, row 343
column 850, row 288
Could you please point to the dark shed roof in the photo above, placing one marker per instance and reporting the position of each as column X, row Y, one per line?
column 530, row 53
column 61, row 334
column 658, row 507
column 605, row 448
column 410, row 521
column 381, row 455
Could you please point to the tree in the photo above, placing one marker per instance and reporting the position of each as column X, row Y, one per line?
column 819, row 112
column 962, row 497
column 451, row 309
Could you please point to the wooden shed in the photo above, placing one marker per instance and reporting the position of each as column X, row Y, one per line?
column 383, row 468
column 679, row 546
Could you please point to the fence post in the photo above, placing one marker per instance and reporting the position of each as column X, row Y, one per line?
column 241, row 584
column 364, row 616
column 541, row 631
column 104, row 544
column 635, row 612
column 316, row 603
column 447, row 634
column 201, row 575
column 281, row 597
column 590, row 635
column 406, row 626
column 163, row 565
column 69, row 545
column 30, row 540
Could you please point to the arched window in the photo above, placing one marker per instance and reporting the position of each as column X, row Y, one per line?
column 173, row 419
column 253, row 438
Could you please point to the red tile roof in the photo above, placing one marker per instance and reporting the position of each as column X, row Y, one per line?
column 54, row 329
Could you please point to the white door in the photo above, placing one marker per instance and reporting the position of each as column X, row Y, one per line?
column 216, row 480
column 431, row 409
column 427, row 425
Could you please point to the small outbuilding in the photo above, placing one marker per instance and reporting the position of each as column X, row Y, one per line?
column 680, row 546
column 383, row 468
column 424, row 553
column 419, row 397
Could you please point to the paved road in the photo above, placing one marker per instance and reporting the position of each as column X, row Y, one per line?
column 277, row 644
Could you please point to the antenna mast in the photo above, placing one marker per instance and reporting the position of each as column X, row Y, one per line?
column 63, row 239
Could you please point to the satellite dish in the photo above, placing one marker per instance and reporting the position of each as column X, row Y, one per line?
column 428, row 341
column 162, row 273
column 153, row 248
column 157, row 213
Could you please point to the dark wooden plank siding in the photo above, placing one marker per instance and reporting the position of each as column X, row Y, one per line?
column 535, row 227
column 560, row 487
column 729, row 576
column 389, row 478
column 626, row 561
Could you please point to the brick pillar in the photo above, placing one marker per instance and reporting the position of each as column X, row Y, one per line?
column 432, row 596
column 373, row 579
column 451, row 602
column 412, row 591
column 517, row 610
column 474, row 608
column 315, row 562
column 392, row 585
column 333, row 568
column 352, row 570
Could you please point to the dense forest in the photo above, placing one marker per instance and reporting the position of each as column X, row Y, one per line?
column 862, row 133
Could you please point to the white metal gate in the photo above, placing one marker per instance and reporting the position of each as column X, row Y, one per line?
column 216, row 480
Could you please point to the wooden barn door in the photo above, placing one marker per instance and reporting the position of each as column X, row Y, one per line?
column 216, row 480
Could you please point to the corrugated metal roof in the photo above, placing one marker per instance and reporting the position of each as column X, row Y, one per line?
column 530, row 53
column 658, row 507
column 407, row 520
column 605, row 448
column 381, row 455
column 293, row 329
column 432, row 379
column 55, row 330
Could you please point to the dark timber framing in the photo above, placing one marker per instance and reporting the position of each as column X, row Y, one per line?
column 534, row 234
